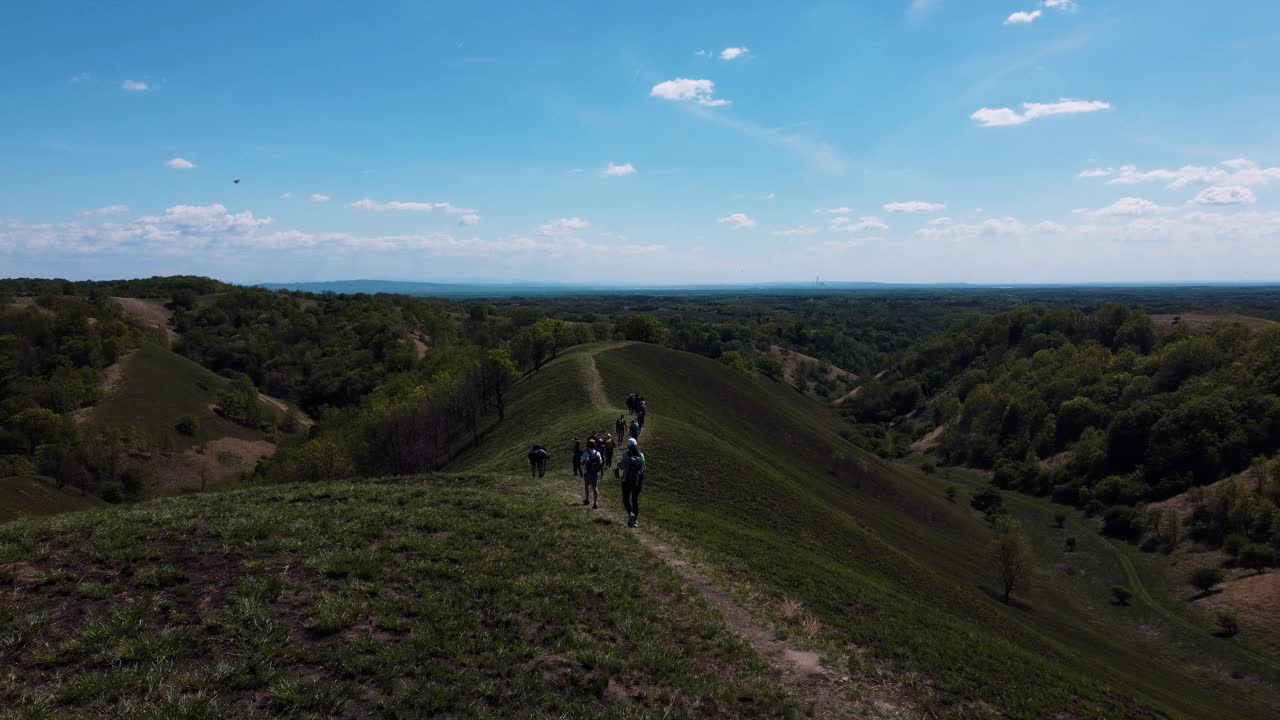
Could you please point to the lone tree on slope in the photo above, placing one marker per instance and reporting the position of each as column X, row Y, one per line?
column 1011, row 556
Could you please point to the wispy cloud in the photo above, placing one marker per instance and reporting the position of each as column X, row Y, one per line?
column 739, row 221
column 685, row 89
column 1123, row 208
column 286, row 196
column 619, row 170
column 733, row 53
column 799, row 231
column 410, row 206
column 80, row 77
column 919, row 9
column 134, row 86
column 319, row 198
column 1005, row 117
column 1237, row 172
column 1023, row 17
column 1095, row 172
column 818, row 153
column 867, row 222
column 563, row 227
column 108, row 210
column 1225, row 195
column 913, row 206
column 469, row 220
column 181, row 164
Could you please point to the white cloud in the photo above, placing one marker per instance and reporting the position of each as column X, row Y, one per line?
column 702, row 53
column 1124, row 207
column 1239, row 172
column 402, row 206
column 941, row 221
column 319, row 198
column 684, row 89
column 992, row 227
column 134, row 86
column 1225, row 195
column 770, row 196
column 866, row 222
column 1061, row 4
column 1022, row 17
column 469, row 220
column 1005, row 117
column 181, row 164
column 205, row 220
column 733, row 53
column 619, row 170
column 837, row 211
column 561, row 228
column 1048, row 227
column 108, row 210
column 79, row 77
column 286, row 196
column 1095, row 172
column 913, row 206
column 798, row 231
column 739, row 221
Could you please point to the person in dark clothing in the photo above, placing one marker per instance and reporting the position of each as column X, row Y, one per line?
column 538, row 457
column 620, row 428
column 577, row 457
column 635, row 430
column 631, row 470
column 606, row 448
column 640, row 418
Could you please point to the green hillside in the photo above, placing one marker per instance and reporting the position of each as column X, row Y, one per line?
column 31, row 496
column 481, row 593
column 160, row 387
column 754, row 480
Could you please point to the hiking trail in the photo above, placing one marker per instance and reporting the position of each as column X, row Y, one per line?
column 825, row 691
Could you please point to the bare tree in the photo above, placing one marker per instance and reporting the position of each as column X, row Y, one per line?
column 1011, row 556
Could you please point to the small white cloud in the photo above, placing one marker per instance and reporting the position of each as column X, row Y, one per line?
column 733, row 53
column 702, row 53
column 799, row 231
column 286, row 196
column 469, row 220
column 79, row 77
column 561, row 228
column 181, row 164
column 108, row 210
column 686, row 89
column 619, row 170
column 1225, row 195
column 1022, row 17
column 1048, row 227
column 1240, row 172
column 1005, row 117
column 838, row 211
column 770, row 196
column 941, row 221
column 913, row 206
column 575, row 171
column 993, row 227
column 134, row 86
column 866, row 222
column 319, row 198
column 1240, row 164
column 1061, row 4
column 1124, row 207
column 739, row 221
column 1095, row 172
column 409, row 206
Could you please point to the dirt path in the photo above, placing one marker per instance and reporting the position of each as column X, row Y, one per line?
column 826, row 691
column 284, row 408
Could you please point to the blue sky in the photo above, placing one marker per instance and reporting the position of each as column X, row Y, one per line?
column 897, row 140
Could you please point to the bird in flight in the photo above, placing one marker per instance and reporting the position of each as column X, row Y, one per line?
column 236, row 181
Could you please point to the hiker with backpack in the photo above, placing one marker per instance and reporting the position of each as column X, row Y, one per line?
column 593, row 467
column 538, row 457
column 631, row 471
column 635, row 430
column 640, row 417
column 620, row 428
column 577, row 457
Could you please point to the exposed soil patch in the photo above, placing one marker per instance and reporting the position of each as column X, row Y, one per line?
column 1204, row 322
column 151, row 313
column 283, row 407
column 112, row 381
column 794, row 362
column 930, row 440
column 1252, row 597
column 1182, row 503
column 420, row 346
column 222, row 459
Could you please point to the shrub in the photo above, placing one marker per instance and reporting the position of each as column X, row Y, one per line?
column 1257, row 557
column 950, row 493
column 1205, row 579
column 189, row 425
column 1059, row 519
column 929, row 467
column 1228, row 625
column 1234, row 543
column 1071, row 544
column 987, row 500
column 1120, row 596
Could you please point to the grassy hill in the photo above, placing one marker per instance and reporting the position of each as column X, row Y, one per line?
column 755, row 481
column 32, row 495
column 483, row 593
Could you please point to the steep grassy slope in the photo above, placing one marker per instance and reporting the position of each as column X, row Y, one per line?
column 755, row 480
column 452, row 597
column 30, row 496
column 158, row 387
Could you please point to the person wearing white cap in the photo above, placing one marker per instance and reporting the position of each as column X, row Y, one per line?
column 631, row 470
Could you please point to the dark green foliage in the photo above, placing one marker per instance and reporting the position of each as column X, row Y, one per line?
column 1205, row 579
column 770, row 366
column 1120, row 596
column 1257, row 557
column 1228, row 625
column 986, row 500
column 239, row 402
column 189, row 425
column 1071, row 544
column 645, row 328
column 950, row 493
column 1059, row 519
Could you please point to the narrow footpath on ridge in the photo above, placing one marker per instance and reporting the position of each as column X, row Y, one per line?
column 826, row 692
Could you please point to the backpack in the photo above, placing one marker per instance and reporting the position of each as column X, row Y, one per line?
column 594, row 461
column 632, row 467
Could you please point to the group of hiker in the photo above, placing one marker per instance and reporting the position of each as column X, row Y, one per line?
column 591, row 460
